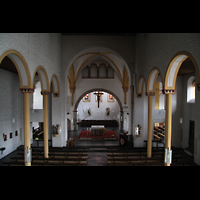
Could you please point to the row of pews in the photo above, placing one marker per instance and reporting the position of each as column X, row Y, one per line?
column 116, row 156
column 57, row 157
column 138, row 157
column 159, row 132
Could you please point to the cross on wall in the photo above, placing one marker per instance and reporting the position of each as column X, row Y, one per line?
column 98, row 96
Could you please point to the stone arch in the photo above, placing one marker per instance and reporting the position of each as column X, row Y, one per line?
column 98, row 89
column 93, row 54
column 56, row 87
column 96, row 50
column 152, row 80
column 43, row 79
column 140, row 86
column 21, row 66
column 173, row 68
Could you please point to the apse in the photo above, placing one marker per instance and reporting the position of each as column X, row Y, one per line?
column 88, row 107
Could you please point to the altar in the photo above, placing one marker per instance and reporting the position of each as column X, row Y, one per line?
column 96, row 129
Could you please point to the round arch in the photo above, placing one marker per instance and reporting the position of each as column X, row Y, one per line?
column 98, row 89
column 21, row 66
column 96, row 54
column 86, row 50
column 173, row 68
column 152, row 80
column 56, row 87
column 43, row 78
column 140, row 86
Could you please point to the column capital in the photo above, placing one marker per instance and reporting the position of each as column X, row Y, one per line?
column 45, row 93
column 56, row 94
column 169, row 91
column 26, row 90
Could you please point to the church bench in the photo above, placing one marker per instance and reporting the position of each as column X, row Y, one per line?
column 13, row 163
column 21, row 163
column 41, row 151
column 57, row 161
column 57, row 154
column 156, row 141
column 41, row 140
column 158, row 130
column 157, row 137
column 141, row 154
column 59, row 158
column 149, row 164
column 141, row 160
column 162, row 128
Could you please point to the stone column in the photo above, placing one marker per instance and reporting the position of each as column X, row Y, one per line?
column 149, row 141
column 27, row 133
column 45, row 119
column 27, row 124
column 168, row 124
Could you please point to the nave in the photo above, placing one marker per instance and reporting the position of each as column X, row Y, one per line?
column 96, row 153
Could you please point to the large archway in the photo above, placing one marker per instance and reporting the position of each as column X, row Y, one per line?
column 98, row 89
column 16, row 116
column 104, row 55
column 121, row 124
column 21, row 66
column 181, row 67
column 173, row 68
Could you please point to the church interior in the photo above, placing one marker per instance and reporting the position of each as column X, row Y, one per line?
column 99, row 99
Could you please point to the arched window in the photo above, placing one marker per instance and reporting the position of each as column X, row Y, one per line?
column 191, row 90
column 37, row 97
column 159, row 97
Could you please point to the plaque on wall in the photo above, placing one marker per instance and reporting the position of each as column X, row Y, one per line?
column 110, row 98
column 87, row 98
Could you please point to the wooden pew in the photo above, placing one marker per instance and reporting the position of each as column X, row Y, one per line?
column 57, row 156
column 140, row 161
column 140, row 158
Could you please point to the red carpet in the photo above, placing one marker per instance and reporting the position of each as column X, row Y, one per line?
column 107, row 135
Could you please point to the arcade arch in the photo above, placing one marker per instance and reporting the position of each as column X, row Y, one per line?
column 103, row 90
column 21, row 66
column 169, row 89
column 26, row 88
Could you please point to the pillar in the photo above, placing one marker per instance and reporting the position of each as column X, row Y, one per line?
column 27, row 123
column 168, row 124
column 45, row 120
column 149, row 141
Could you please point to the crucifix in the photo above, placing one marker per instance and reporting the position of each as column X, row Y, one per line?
column 98, row 96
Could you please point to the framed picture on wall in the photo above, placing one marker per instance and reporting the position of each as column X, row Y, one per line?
column 110, row 98
column 87, row 98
